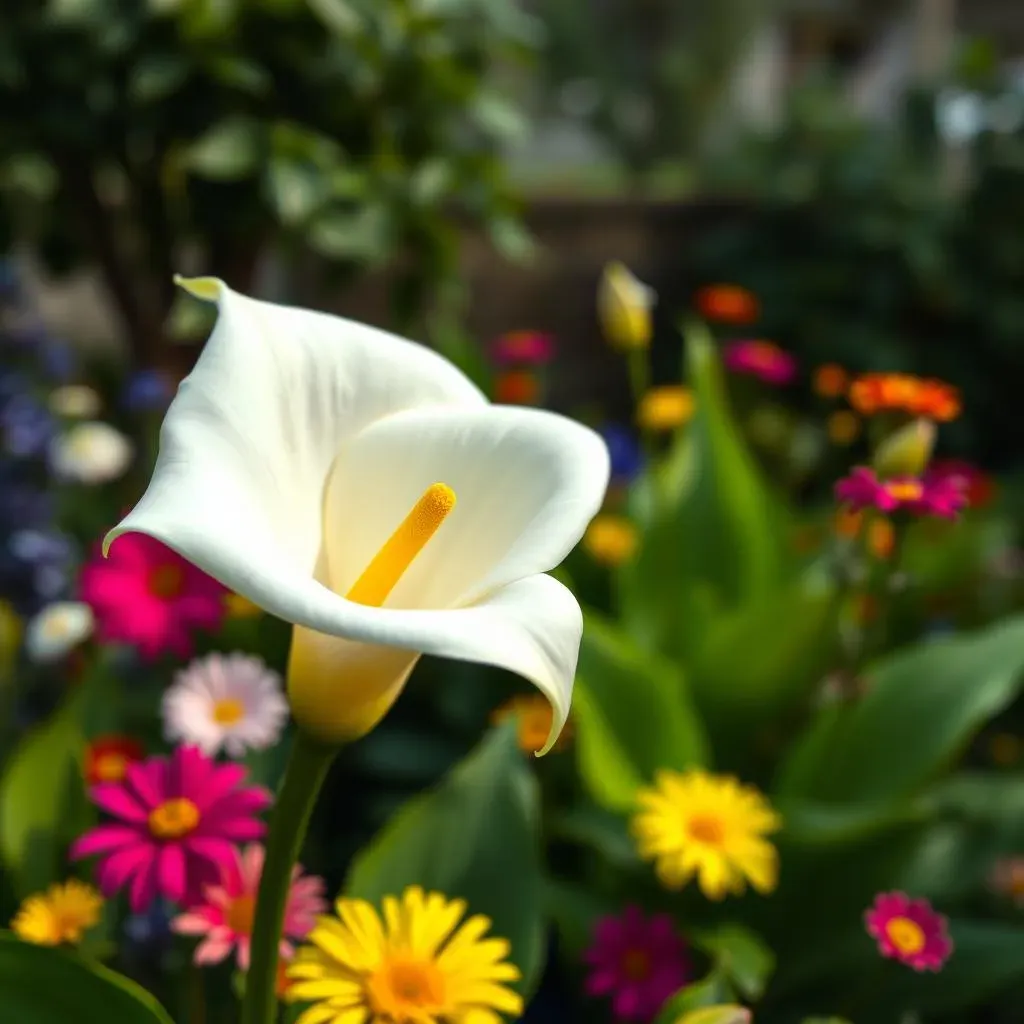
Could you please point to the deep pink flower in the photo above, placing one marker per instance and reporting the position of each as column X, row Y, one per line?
column 927, row 496
column 525, row 348
column 639, row 961
column 976, row 484
column 146, row 595
column 762, row 359
column 178, row 821
column 909, row 931
column 225, row 915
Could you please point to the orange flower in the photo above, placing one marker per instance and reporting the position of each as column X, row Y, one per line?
column 831, row 380
column 881, row 538
column 848, row 521
column 517, row 387
column 900, row 392
column 533, row 714
column 843, row 427
column 728, row 304
column 107, row 758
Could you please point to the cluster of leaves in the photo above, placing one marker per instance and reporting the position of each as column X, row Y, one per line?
column 164, row 129
column 880, row 248
column 715, row 650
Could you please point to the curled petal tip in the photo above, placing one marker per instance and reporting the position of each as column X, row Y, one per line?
column 206, row 288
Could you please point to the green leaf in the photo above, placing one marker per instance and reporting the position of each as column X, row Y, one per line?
column 156, row 76
column 228, row 151
column 633, row 716
column 987, row 960
column 575, row 909
column 51, row 986
column 37, row 794
column 758, row 661
column 360, row 235
column 511, row 238
column 731, row 1014
column 476, row 837
column 500, row 118
column 714, row 990
column 730, row 520
column 296, row 189
column 740, row 956
column 338, row 16
column 919, row 711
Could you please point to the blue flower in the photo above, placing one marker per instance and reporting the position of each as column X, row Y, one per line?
column 148, row 391
column 27, row 426
column 624, row 449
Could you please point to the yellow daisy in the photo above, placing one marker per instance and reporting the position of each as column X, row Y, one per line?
column 711, row 826
column 610, row 539
column 665, row 407
column 419, row 964
column 59, row 915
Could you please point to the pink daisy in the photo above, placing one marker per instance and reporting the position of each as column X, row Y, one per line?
column 762, row 359
column 178, row 821
column 146, row 595
column 976, row 484
column 638, row 961
column 226, row 914
column 525, row 348
column 909, row 931
column 939, row 496
column 225, row 700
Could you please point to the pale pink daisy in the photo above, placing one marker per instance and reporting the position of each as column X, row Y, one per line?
column 225, row 916
column 229, row 701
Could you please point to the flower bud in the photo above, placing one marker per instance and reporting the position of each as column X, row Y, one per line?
column 731, row 1014
column 906, row 452
column 624, row 306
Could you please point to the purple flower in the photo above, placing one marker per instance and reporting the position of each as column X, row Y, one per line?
column 148, row 391
column 638, row 961
column 624, row 449
column 938, row 496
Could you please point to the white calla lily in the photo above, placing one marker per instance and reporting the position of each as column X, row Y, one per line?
column 299, row 445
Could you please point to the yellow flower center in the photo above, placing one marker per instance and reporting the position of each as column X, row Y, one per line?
column 610, row 539
column 173, row 818
column 111, row 767
column 240, row 914
column 905, row 490
column 636, row 965
column 402, row 991
column 706, row 828
column 166, row 581
column 387, row 566
column 665, row 408
column 905, row 935
column 227, row 711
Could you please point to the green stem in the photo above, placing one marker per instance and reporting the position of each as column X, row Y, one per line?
column 303, row 777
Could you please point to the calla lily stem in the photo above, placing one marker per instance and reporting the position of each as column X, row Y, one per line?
column 303, row 776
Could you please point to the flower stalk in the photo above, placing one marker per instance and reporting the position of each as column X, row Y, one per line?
column 303, row 776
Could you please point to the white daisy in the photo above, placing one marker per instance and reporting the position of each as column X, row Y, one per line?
column 57, row 629
column 229, row 701
column 91, row 453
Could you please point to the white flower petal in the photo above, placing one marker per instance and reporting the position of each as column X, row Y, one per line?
column 526, row 483
column 531, row 627
column 57, row 629
column 273, row 396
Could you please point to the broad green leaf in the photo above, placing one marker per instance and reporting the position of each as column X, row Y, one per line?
column 987, row 959
column 758, row 661
column 476, row 837
column 228, row 151
column 817, row 824
column 575, row 909
column 37, row 795
column 50, row 986
column 740, row 956
column 633, row 716
column 363, row 234
column 729, row 519
column 714, row 990
column 598, row 829
column 157, row 76
column 920, row 709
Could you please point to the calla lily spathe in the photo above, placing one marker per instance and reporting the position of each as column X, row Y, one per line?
column 297, row 446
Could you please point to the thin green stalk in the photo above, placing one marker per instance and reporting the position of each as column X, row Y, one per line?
column 303, row 777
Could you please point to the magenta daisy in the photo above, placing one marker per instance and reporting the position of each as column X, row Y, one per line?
column 225, row 916
column 937, row 496
column 638, row 962
column 225, row 701
column 178, row 819
column 761, row 359
column 909, row 931
column 146, row 595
